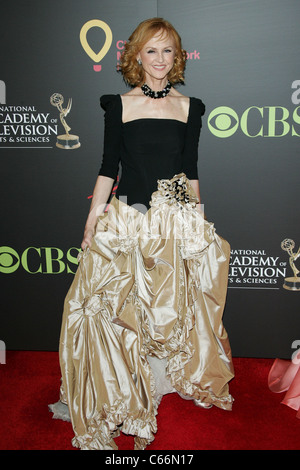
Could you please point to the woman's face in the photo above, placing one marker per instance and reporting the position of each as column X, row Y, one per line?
column 157, row 57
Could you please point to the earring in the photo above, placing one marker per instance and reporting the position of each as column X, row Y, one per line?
column 139, row 61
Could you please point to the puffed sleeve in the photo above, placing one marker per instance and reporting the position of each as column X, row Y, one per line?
column 112, row 106
column 193, row 129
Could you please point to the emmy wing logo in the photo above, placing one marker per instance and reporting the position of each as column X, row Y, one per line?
column 65, row 141
column 96, row 56
column 291, row 283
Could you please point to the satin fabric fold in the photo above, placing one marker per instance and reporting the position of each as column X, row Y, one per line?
column 151, row 289
column 284, row 376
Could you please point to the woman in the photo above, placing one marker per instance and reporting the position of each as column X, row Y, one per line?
column 143, row 316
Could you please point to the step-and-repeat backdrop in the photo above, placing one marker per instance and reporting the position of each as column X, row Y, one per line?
column 57, row 58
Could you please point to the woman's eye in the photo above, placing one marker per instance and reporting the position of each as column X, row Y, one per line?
column 151, row 51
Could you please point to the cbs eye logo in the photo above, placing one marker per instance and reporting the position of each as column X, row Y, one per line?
column 223, row 121
column 9, row 260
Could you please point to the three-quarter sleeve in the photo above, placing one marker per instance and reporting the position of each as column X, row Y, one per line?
column 112, row 106
column 193, row 129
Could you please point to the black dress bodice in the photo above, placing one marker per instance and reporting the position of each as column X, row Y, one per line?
column 148, row 149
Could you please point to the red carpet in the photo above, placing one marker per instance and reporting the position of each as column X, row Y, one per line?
column 30, row 380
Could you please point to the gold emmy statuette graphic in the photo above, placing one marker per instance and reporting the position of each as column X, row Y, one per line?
column 96, row 57
column 66, row 141
column 291, row 283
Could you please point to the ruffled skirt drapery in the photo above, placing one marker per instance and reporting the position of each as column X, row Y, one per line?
column 284, row 376
column 143, row 317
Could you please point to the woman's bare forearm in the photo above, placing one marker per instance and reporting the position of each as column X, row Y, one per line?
column 101, row 193
column 196, row 188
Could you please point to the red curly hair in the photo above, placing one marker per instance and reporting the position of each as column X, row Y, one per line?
column 133, row 73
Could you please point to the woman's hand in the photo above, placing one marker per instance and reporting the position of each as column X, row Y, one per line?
column 101, row 194
column 87, row 238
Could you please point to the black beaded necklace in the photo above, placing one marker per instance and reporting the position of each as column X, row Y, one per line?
column 156, row 94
